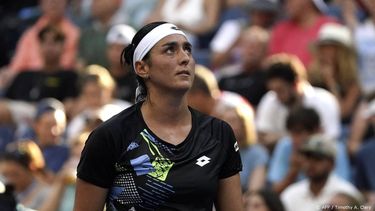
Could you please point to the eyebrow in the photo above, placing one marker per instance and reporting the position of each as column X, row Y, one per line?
column 174, row 43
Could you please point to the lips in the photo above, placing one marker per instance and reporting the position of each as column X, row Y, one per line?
column 183, row 72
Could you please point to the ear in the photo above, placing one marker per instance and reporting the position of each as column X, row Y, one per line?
column 142, row 69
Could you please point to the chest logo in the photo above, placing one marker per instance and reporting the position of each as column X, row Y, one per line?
column 203, row 161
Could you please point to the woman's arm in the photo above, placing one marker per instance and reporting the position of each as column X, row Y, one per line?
column 257, row 178
column 211, row 8
column 229, row 195
column 89, row 197
column 349, row 101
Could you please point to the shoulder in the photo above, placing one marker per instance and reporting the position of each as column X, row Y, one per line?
column 297, row 189
column 320, row 95
column 342, row 185
column 269, row 100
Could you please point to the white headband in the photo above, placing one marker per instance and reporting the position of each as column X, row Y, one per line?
column 152, row 38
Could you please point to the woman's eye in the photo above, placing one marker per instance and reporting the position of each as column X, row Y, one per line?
column 188, row 49
column 170, row 50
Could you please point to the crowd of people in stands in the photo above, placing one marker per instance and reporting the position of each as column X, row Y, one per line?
column 295, row 79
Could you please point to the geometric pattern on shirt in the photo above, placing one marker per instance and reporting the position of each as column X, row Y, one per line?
column 157, row 193
column 160, row 164
column 164, row 147
column 129, row 194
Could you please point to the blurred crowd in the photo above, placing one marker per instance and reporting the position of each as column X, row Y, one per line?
column 294, row 78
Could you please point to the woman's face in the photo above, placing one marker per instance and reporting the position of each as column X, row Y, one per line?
column 327, row 54
column 171, row 65
column 50, row 127
column 95, row 96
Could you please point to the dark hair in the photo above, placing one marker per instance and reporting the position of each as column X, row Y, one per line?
column 271, row 199
column 302, row 118
column 128, row 52
column 282, row 71
column 18, row 156
column 58, row 35
column 26, row 153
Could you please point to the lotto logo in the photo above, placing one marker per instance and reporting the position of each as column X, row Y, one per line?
column 203, row 161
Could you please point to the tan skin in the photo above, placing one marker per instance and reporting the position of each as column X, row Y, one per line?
column 168, row 76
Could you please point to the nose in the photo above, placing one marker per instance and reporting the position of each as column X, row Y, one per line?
column 184, row 57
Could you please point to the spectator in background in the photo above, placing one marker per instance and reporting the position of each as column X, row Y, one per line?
column 286, row 80
column 198, row 18
column 52, row 79
column 8, row 125
column 361, row 130
column 321, row 185
column 205, row 95
column 286, row 162
column 92, row 43
column 260, row 13
column 21, row 166
column 262, row 200
column 294, row 35
column 49, row 125
column 247, row 78
column 118, row 37
column 63, row 187
column 28, row 55
column 341, row 202
column 364, row 39
column 334, row 68
column 364, row 173
column 240, row 116
column 138, row 11
column 95, row 100
column 203, row 15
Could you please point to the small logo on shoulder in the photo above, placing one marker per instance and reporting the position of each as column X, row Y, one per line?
column 236, row 148
column 202, row 161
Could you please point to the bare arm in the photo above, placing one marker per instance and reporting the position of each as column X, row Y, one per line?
column 229, row 195
column 89, row 197
column 348, row 102
column 210, row 20
column 257, row 178
column 291, row 175
column 358, row 127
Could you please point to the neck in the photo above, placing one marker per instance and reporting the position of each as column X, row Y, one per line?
column 317, row 185
column 165, row 109
column 307, row 19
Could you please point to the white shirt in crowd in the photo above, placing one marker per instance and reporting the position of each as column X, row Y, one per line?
column 272, row 114
column 298, row 195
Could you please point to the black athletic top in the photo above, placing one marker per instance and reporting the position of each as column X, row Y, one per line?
column 143, row 172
